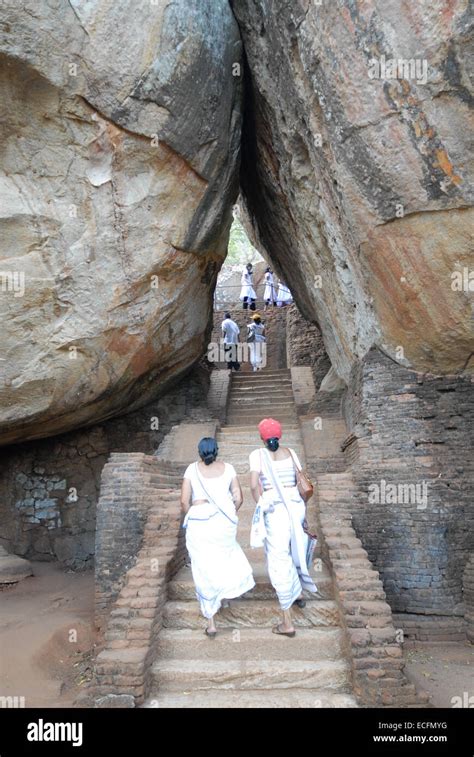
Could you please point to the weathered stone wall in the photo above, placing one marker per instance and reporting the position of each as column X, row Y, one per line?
column 49, row 488
column 409, row 428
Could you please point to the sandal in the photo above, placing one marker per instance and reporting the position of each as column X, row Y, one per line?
column 210, row 634
column 279, row 632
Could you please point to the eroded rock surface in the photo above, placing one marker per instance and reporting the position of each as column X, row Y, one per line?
column 364, row 181
column 119, row 140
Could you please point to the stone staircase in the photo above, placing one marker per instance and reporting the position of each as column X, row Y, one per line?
column 246, row 665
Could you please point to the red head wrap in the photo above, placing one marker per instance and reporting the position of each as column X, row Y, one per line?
column 269, row 428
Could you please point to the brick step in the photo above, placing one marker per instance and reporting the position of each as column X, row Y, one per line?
column 250, row 433
column 243, row 444
column 181, row 588
column 265, row 403
column 165, row 481
column 243, row 450
column 266, row 408
column 252, row 382
column 176, row 675
column 249, row 644
column 252, row 699
column 243, row 614
column 254, row 418
column 331, row 465
column 265, row 372
column 262, row 389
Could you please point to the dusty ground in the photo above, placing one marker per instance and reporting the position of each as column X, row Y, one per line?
column 444, row 670
column 46, row 636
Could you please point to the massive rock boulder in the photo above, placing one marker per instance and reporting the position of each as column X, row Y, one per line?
column 119, row 138
column 357, row 182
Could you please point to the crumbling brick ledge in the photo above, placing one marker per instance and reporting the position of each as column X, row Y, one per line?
column 372, row 643
column 130, row 603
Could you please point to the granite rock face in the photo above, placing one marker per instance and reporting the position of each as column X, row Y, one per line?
column 358, row 183
column 120, row 139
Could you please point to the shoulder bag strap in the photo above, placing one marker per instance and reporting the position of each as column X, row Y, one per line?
column 294, row 461
column 211, row 499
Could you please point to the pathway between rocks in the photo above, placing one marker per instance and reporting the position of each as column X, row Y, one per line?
column 247, row 665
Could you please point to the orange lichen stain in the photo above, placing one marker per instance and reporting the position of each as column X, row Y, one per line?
column 446, row 166
column 122, row 344
column 142, row 361
column 114, row 134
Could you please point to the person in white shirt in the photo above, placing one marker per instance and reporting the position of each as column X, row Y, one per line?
column 210, row 498
column 269, row 294
column 256, row 340
column 231, row 334
column 278, row 521
column 247, row 292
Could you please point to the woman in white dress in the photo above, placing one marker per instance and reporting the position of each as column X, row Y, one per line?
column 210, row 498
column 279, row 519
column 284, row 296
column 269, row 291
column 247, row 292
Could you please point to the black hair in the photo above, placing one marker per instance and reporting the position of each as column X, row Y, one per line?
column 272, row 443
column 207, row 449
column 268, row 269
column 257, row 320
column 226, row 315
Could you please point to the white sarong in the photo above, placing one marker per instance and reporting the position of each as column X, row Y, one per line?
column 284, row 295
column 219, row 566
column 269, row 292
column 286, row 544
column 247, row 287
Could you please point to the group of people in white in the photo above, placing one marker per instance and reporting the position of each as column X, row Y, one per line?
column 256, row 336
column 256, row 339
column 271, row 295
column 211, row 497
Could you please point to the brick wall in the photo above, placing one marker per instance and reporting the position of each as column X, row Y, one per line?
column 468, row 589
column 372, row 640
column 412, row 429
column 137, row 554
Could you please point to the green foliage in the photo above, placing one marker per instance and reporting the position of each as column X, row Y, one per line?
column 240, row 249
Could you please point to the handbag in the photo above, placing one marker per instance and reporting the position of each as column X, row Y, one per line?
column 303, row 481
